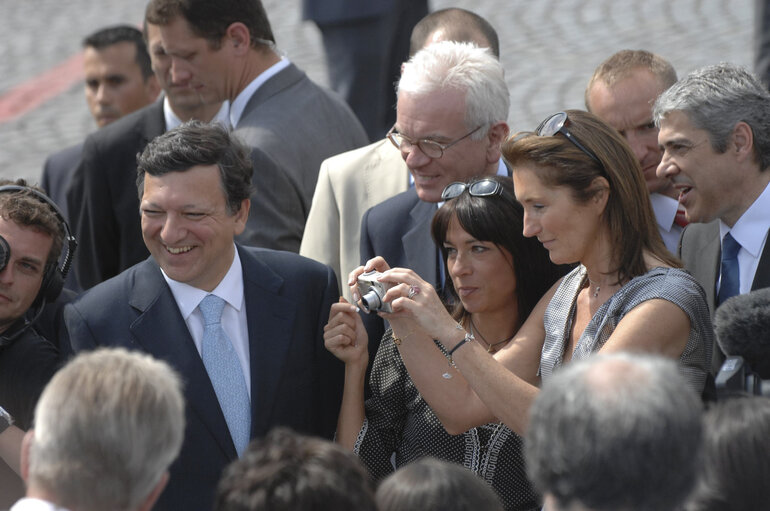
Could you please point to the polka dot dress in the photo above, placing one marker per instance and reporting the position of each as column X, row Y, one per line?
column 399, row 421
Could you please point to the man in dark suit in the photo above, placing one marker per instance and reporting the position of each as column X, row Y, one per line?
column 118, row 81
column 450, row 122
column 102, row 198
column 195, row 182
column 290, row 123
column 365, row 45
column 716, row 141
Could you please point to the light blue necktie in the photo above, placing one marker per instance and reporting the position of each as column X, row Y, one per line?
column 225, row 372
column 730, row 282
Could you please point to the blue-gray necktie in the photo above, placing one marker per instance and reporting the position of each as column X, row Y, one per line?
column 225, row 372
column 730, row 282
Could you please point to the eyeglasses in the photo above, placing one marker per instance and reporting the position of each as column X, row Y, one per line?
column 556, row 123
column 430, row 148
column 480, row 188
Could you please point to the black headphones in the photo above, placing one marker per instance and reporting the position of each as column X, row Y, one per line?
column 53, row 278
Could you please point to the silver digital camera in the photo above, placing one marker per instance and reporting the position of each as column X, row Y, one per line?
column 372, row 291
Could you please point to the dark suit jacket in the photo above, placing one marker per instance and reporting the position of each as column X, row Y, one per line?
column 102, row 198
column 57, row 174
column 292, row 125
column 701, row 250
column 398, row 229
column 294, row 381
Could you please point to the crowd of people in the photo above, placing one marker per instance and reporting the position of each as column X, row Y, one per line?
column 549, row 313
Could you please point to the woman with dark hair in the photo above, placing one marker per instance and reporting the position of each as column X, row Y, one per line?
column 495, row 276
column 585, row 200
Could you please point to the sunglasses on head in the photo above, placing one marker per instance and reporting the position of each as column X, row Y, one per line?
column 557, row 123
column 480, row 188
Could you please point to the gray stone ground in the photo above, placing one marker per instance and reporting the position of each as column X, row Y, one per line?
column 549, row 49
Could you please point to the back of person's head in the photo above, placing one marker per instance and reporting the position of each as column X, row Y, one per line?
column 210, row 20
column 109, row 36
column 453, row 66
column 196, row 143
column 429, row 484
column 559, row 162
column 715, row 99
column 107, row 427
column 286, row 471
column 499, row 219
column 735, row 468
column 624, row 63
column 614, row 432
column 454, row 24
column 742, row 327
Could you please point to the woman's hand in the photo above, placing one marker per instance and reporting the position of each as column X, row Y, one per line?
column 415, row 301
column 376, row 263
column 344, row 334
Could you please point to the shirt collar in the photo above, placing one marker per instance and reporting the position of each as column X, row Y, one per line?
column 230, row 289
column 239, row 104
column 665, row 209
column 751, row 228
column 173, row 121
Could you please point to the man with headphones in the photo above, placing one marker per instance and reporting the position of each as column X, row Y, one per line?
column 32, row 233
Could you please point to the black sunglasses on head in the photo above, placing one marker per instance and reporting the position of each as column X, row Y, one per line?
column 480, row 188
column 556, row 123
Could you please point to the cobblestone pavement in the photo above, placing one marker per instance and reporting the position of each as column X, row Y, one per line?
column 549, row 49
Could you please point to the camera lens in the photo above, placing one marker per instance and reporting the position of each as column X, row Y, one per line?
column 371, row 301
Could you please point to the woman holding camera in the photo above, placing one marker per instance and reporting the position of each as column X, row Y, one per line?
column 585, row 200
column 495, row 277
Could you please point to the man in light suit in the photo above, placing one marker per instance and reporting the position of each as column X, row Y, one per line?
column 716, row 138
column 225, row 50
column 352, row 182
column 101, row 197
column 195, row 182
column 451, row 121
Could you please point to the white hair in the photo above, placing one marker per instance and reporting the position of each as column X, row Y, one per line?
column 107, row 427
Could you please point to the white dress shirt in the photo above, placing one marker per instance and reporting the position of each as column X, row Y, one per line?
column 751, row 232
column 234, row 321
column 173, row 121
column 240, row 102
column 30, row 504
column 664, row 208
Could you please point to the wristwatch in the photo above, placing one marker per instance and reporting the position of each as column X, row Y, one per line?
column 5, row 419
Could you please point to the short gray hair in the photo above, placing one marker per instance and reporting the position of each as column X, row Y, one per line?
column 107, row 427
column 450, row 65
column 614, row 432
column 715, row 99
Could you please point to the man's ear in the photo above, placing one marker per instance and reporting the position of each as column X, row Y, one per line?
column 496, row 135
column 237, row 36
column 26, row 445
column 742, row 142
column 150, row 500
column 241, row 216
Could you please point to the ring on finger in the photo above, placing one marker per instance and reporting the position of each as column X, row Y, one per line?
column 413, row 290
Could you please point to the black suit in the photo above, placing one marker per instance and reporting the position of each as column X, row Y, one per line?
column 294, row 381
column 103, row 200
column 57, row 174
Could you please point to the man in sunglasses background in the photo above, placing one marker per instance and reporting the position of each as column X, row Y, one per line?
column 450, row 123
column 621, row 92
column 352, row 182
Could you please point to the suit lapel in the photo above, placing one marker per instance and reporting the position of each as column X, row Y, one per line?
column 284, row 79
column 270, row 323
column 762, row 275
column 153, row 124
column 421, row 253
column 163, row 333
